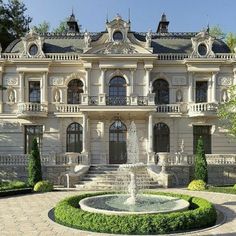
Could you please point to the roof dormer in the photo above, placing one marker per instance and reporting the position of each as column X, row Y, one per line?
column 118, row 29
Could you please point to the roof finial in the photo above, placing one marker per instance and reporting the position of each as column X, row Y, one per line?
column 72, row 12
column 129, row 16
column 208, row 28
column 107, row 17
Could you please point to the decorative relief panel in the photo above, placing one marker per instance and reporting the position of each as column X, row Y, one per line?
column 178, row 80
column 10, row 125
column 11, row 81
column 56, row 81
column 225, row 81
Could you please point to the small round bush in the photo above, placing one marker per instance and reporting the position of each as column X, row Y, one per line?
column 43, row 186
column 234, row 186
column 197, row 185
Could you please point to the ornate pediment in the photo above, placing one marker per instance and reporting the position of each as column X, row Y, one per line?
column 202, row 45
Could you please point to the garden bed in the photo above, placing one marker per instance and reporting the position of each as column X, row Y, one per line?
column 201, row 214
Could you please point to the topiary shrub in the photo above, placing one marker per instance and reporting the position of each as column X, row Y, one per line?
column 234, row 186
column 43, row 186
column 34, row 166
column 200, row 167
column 197, row 185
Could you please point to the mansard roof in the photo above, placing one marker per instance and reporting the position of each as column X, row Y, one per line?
column 171, row 42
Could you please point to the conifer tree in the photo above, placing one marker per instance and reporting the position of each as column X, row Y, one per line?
column 200, row 168
column 34, row 166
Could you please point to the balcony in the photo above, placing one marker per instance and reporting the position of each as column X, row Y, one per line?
column 168, row 108
column 202, row 109
column 29, row 109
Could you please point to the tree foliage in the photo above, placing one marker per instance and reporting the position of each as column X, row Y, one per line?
column 34, row 166
column 42, row 28
column 216, row 31
column 200, row 167
column 14, row 22
column 231, row 41
column 227, row 111
column 62, row 28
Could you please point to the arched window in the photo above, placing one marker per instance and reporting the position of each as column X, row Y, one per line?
column 161, row 90
column 117, row 143
column 161, row 140
column 75, row 88
column 117, row 91
column 74, row 138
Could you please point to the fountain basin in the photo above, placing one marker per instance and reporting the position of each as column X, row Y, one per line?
column 113, row 204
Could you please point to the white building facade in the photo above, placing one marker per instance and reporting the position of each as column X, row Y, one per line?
column 78, row 92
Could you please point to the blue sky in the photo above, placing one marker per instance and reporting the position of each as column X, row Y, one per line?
column 184, row 15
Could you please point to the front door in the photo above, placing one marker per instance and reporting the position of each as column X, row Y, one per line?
column 117, row 143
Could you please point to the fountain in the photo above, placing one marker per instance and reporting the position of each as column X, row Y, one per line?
column 132, row 203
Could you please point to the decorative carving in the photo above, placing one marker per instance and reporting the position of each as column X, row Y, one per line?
column 179, row 80
column 224, row 96
column 118, row 47
column 87, row 39
column 56, row 81
column 10, row 125
column 179, row 96
column 76, row 75
column 202, row 45
column 224, row 81
column 148, row 39
column 11, row 81
column 57, row 96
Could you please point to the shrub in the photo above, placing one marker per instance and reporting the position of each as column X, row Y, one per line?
column 15, row 184
column 202, row 214
column 200, row 168
column 43, row 186
column 34, row 166
column 198, row 185
column 234, row 186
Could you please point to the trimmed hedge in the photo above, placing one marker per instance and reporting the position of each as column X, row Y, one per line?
column 43, row 186
column 197, row 185
column 229, row 190
column 15, row 184
column 201, row 214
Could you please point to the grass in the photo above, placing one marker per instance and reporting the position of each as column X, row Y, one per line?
column 12, row 185
column 223, row 189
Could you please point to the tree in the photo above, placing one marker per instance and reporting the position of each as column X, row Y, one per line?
column 216, row 31
column 42, row 28
column 62, row 28
column 200, row 167
column 231, row 41
column 227, row 111
column 34, row 166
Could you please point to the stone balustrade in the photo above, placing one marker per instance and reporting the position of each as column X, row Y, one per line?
column 46, row 159
column 32, row 109
column 68, row 108
column 203, row 107
column 168, row 108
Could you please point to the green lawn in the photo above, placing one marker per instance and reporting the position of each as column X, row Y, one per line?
column 230, row 189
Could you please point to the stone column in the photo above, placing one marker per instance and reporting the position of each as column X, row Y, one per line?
column 147, row 80
column 22, row 88
column 85, row 132
column 87, row 81
column 131, row 82
column 1, row 93
column 150, row 133
column 213, row 87
column 44, row 88
column 102, row 95
column 190, row 87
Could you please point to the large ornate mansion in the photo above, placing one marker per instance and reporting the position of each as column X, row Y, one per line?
column 78, row 92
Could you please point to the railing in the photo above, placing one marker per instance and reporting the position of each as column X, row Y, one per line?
column 168, row 108
column 117, row 101
column 70, row 108
column 172, row 56
column 10, row 55
column 212, row 159
column 32, row 107
column 62, row 56
column 93, row 100
column 46, row 159
column 203, row 107
column 142, row 100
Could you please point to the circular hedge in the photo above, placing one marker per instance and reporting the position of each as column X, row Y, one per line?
column 200, row 214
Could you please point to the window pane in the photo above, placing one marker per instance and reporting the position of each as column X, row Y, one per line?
column 74, row 138
column 34, row 91
column 161, row 90
column 201, row 91
column 161, row 138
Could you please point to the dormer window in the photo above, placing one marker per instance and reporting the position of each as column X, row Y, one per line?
column 33, row 50
column 117, row 36
column 202, row 49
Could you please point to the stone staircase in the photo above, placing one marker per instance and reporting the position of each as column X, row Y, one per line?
column 108, row 177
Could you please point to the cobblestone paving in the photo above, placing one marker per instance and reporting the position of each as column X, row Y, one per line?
column 28, row 214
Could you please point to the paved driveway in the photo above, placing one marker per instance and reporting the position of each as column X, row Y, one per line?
column 28, row 214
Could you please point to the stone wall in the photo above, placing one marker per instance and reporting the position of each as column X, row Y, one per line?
column 19, row 172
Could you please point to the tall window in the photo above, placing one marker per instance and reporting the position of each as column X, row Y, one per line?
column 201, row 91
column 117, row 91
column 205, row 132
column 75, row 88
column 34, row 91
column 74, row 138
column 161, row 142
column 161, row 90
column 117, row 143
column 31, row 132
